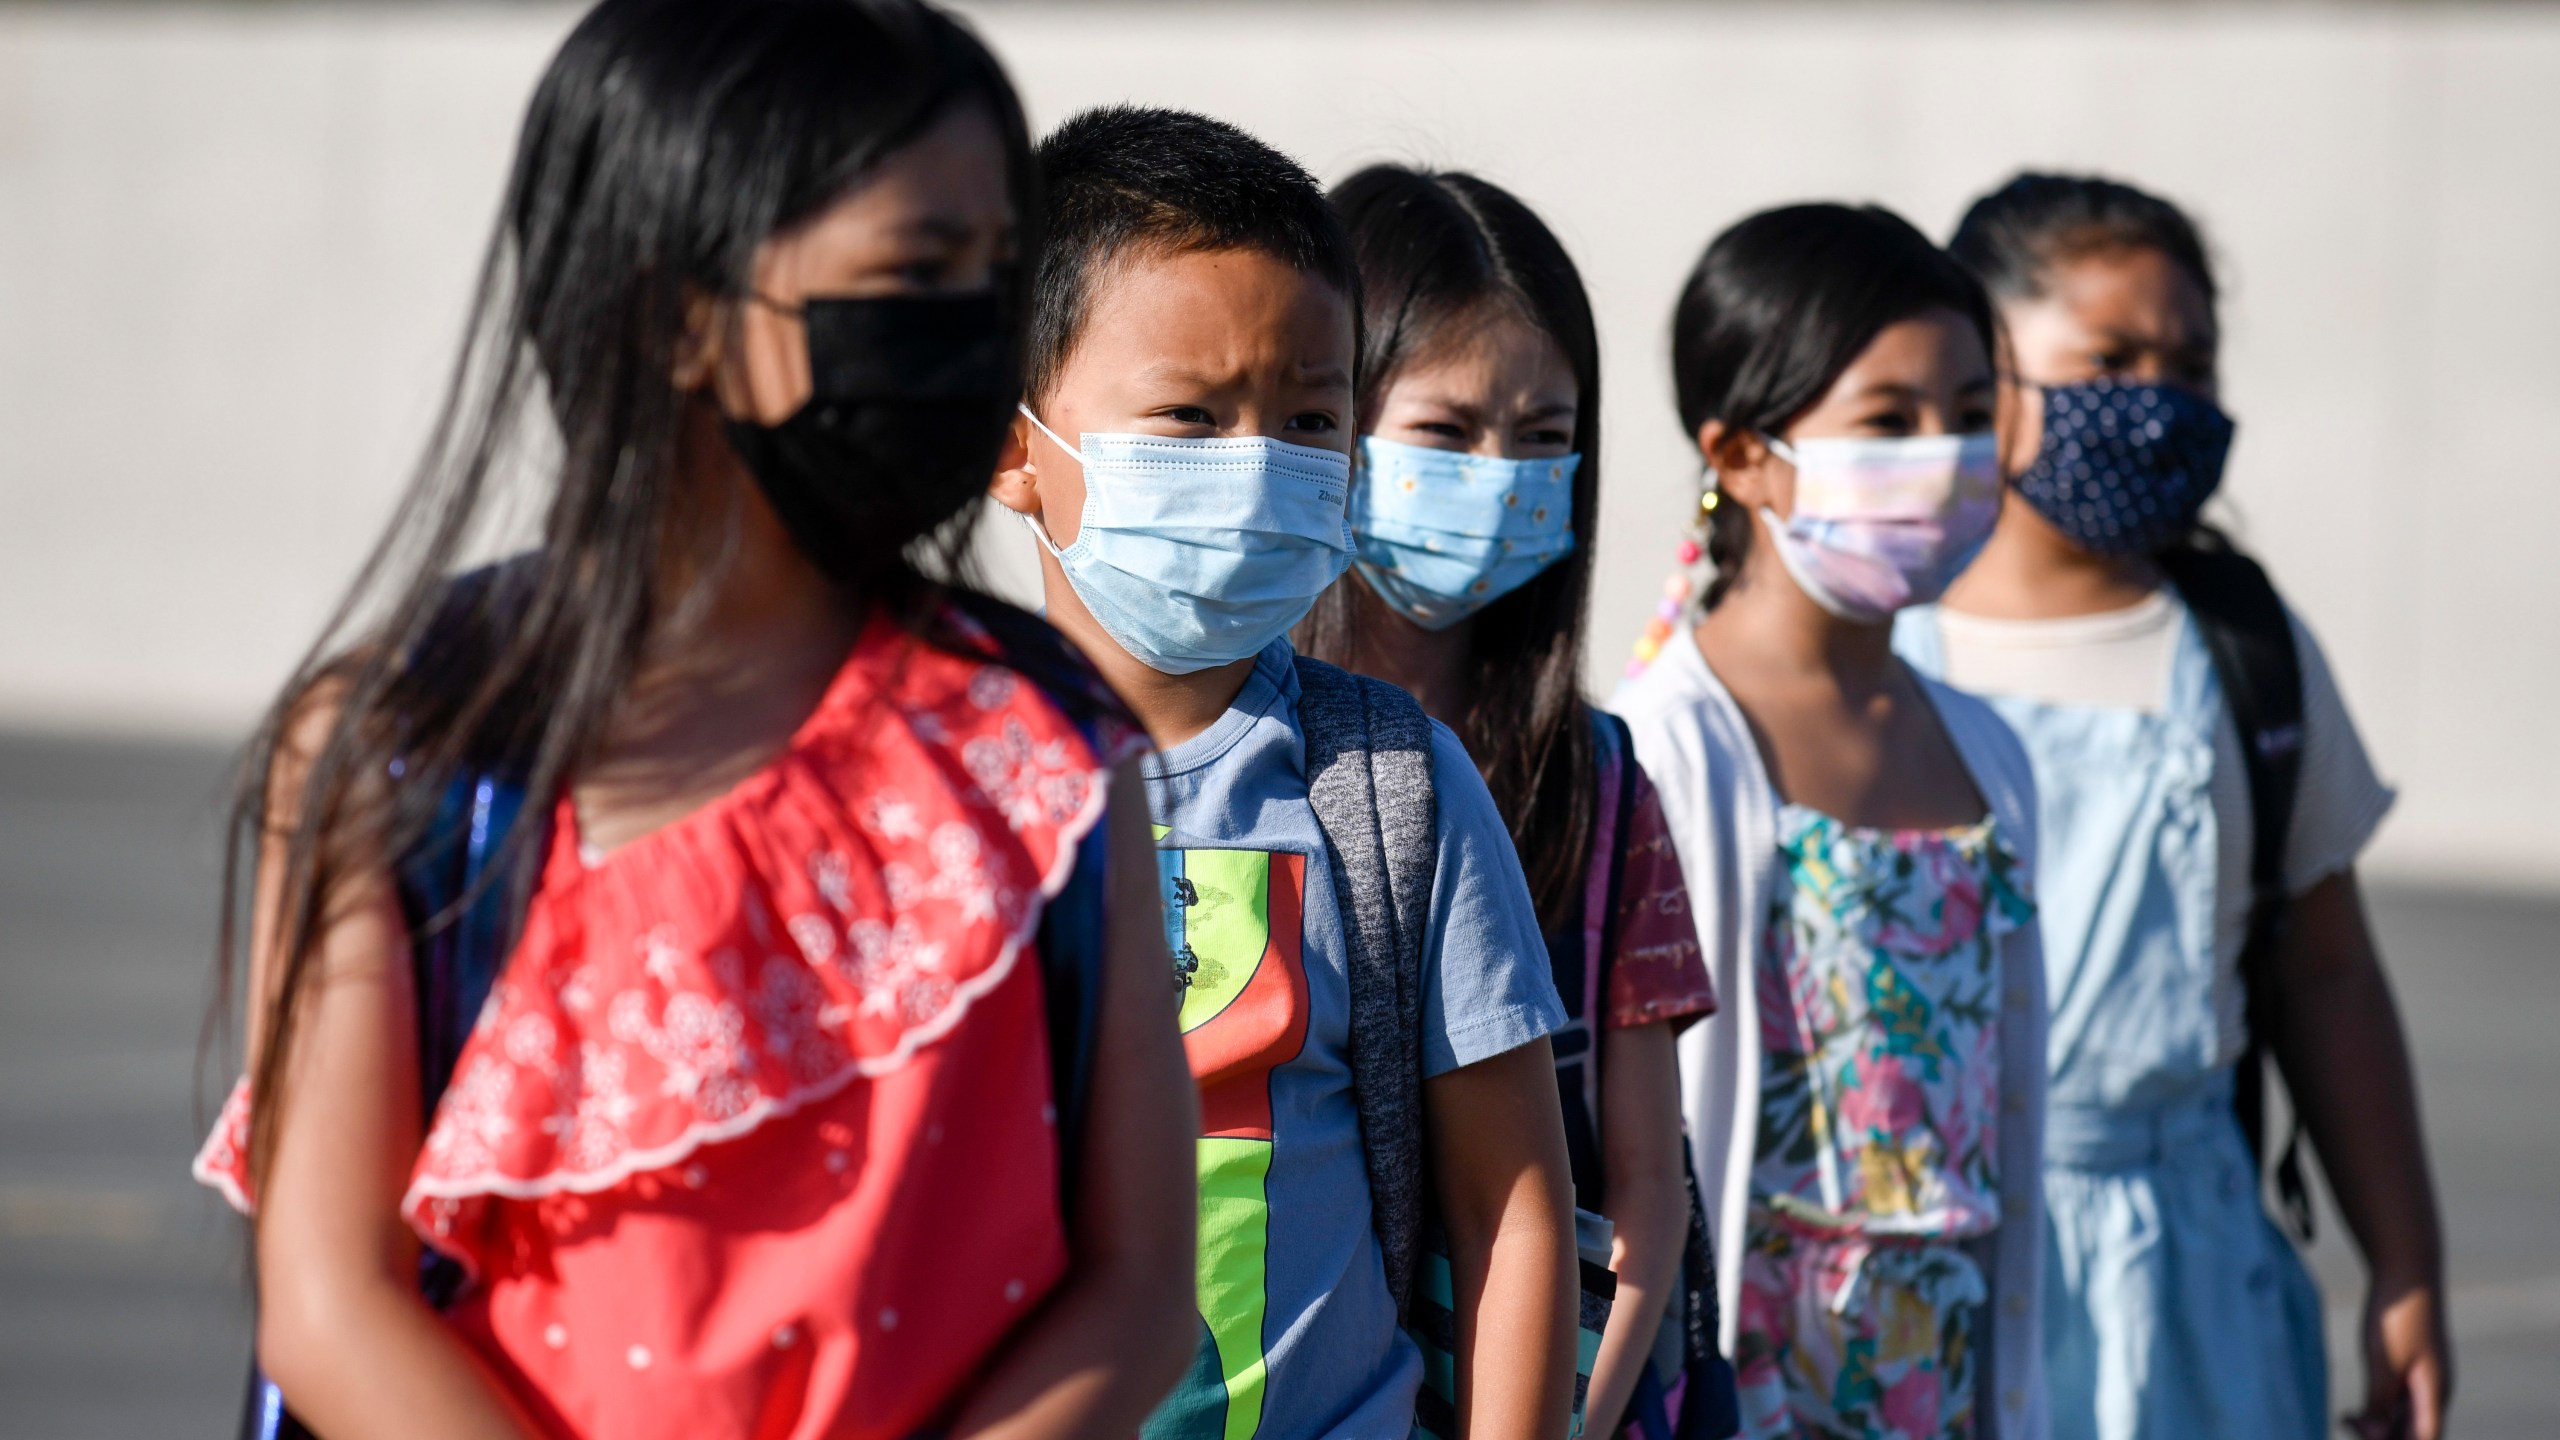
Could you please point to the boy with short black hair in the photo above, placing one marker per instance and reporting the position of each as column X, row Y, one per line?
column 1366, row 993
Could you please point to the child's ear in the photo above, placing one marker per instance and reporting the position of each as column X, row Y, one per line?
column 2020, row 425
column 1740, row 460
column 1017, row 482
column 699, row 354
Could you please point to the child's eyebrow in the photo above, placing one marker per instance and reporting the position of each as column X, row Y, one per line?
column 1176, row 373
column 1465, row 410
column 951, row 229
column 2151, row 338
column 1549, row 411
column 1324, row 377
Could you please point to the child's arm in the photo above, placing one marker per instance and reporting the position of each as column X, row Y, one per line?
column 2346, row 1064
column 341, row 1328
column 1117, row 1332
column 1498, row 1154
column 1648, row 1205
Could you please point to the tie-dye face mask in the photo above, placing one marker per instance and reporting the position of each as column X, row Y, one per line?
column 1884, row 523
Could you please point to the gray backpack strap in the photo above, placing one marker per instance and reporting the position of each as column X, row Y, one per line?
column 1369, row 779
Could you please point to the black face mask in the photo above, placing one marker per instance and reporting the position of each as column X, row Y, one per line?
column 910, row 400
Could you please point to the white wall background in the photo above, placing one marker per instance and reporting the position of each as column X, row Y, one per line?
column 234, row 247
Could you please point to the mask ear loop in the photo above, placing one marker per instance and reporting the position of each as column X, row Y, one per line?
column 1781, row 449
column 1038, row 528
column 1054, row 437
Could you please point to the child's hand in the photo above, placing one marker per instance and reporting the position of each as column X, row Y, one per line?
column 1506, row 1197
column 2408, row 1363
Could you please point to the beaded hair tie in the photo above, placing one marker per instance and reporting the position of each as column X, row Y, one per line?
column 1679, row 586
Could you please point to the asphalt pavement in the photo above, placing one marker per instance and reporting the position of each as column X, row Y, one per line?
column 123, row 1308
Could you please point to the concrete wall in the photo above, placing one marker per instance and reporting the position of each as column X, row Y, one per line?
column 234, row 246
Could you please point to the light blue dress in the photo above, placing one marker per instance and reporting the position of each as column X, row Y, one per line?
column 2173, row 1306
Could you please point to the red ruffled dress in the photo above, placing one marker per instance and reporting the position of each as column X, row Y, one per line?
column 755, row 1136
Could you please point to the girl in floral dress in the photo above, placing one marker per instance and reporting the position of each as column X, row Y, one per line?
column 758, row 1133
column 1866, row 1110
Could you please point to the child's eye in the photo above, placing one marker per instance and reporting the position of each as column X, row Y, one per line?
column 1313, row 422
column 1890, row 422
column 929, row 268
column 1445, row 429
column 1973, row 419
column 1190, row 415
column 1549, row 436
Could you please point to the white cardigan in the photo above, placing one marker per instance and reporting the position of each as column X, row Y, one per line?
column 1696, row 746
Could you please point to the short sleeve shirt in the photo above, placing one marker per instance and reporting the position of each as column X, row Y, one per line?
column 2123, row 658
column 1659, row 972
column 1299, row 1336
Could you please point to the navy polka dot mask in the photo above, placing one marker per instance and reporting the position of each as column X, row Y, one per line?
column 2126, row 468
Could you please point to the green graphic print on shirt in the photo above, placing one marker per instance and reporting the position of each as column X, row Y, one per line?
column 1233, row 921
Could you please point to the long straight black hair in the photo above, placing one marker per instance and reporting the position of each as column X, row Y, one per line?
column 1440, row 251
column 667, row 141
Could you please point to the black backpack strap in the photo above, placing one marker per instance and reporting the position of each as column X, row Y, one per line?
column 1071, row 940
column 1618, row 751
column 1369, row 781
column 2250, row 636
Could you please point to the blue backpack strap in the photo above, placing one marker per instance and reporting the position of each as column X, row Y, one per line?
column 463, row 891
column 463, row 912
column 462, row 916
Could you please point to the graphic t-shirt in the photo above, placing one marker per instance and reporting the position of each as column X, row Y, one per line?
column 1298, row 1334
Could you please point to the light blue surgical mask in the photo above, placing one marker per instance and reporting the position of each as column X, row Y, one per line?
column 1193, row 553
column 1444, row 534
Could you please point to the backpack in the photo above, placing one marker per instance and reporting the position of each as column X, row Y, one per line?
column 1369, row 780
column 463, row 914
column 2250, row 637
column 1685, row 1374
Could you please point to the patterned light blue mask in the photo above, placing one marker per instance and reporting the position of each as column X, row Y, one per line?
column 2126, row 468
column 1193, row 553
column 1442, row 534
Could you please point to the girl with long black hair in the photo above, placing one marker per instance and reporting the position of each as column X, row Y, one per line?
column 758, row 1130
column 1859, row 844
column 2182, row 947
column 1474, row 510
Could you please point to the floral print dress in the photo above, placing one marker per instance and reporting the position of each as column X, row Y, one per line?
column 1879, row 983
